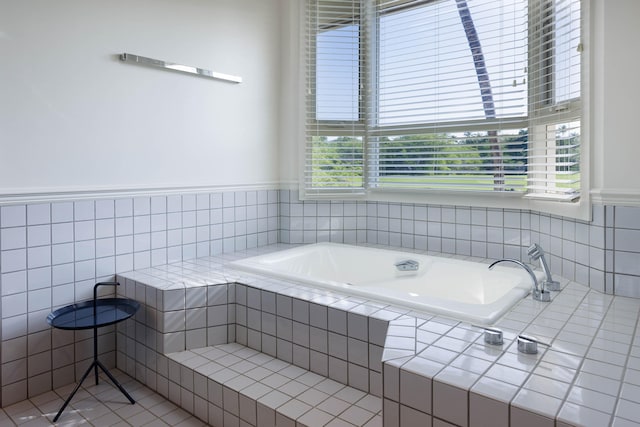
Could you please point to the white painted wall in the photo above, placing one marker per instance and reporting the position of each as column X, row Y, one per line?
column 616, row 100
column 74, row 117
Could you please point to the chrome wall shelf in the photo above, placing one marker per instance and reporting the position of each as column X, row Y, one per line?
column 141, row 60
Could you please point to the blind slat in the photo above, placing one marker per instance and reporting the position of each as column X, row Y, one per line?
column 449, row 94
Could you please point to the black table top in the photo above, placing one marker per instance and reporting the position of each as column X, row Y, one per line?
column 81, row 315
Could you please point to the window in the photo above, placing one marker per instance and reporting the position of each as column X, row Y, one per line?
column 462, row 95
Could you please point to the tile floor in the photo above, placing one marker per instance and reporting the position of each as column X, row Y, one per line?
column 99, row 406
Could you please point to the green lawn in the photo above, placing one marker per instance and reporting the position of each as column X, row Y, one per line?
column 471, row 181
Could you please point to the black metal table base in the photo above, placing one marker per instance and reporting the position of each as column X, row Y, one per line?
column 94, row 365
column 92, row 315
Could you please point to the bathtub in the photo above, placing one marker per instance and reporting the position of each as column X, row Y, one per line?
column 463, row 290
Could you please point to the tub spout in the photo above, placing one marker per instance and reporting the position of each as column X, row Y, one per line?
column 539, row 293
column 535, row 252
column 408, row 265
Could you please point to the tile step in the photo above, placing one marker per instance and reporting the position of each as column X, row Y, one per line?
column 232, row 385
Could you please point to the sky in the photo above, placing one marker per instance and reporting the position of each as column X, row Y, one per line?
column 426, row 70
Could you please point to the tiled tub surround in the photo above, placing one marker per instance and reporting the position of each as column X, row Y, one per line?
column 312, row 344
column 602, row 253
column 200, row 303
column 436, row 371
column 587, row 377
column 52, row 253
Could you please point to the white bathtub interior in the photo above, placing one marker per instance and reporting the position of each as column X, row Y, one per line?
column 460, row 289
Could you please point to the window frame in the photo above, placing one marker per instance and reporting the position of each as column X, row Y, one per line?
column 566, row 110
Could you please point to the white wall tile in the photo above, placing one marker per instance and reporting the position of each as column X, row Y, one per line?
column 61, row 274
column 62, row 233
column 124, row 245
column 85, row 270
column 13, row 283
column 39, row 214
column 13, row 260
column 318, row 316
column 124, row 262
column 484, row 411
column 14, row 327
column 337, row 345
column 627, row 263
column 14, row 305
column 158, row 256
column 463, row 215
column 142, row 260
column 141, row 224
column 105, row 209
column 174, row 254
column 524, row 418
column 13, row 216
column 158, row 205
column 105, row 228
column 202, row 217
column 158, row 222
column 174, row 203
column 39, row 299
column 338, row 370
column 410, row 417
column 582, row 233
column 14, row 349
column 13, row 238
column 357, row 326
column 62, row 212
column 62, row 253
column 188, row 235
column 174, row 220
column 628, row 286
column 450, row 403
column 39, row 235
column 84, row 210
column 215, row 200
column 189, row 202
column 142, row 242
column 105, row 266
column 124, row 207
column 124, row 226
column 85, row 250
column 627, row 240
column 141, row 206
column 627, row 217
column 448, row 230
column 158, row 239
column 62, row 295
column 39, row 278
column 84, row 230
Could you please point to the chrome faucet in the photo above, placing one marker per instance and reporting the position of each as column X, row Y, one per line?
column 539, row 293
column 407, row 265
column 535, row 252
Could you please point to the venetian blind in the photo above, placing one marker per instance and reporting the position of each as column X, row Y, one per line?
column 555, row 106
column 474, row 95
column 334, row 149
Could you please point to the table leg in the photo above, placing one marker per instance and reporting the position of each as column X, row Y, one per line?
column 114, row 381
column 95, row 351
column 66, row 402
column 94, row 365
